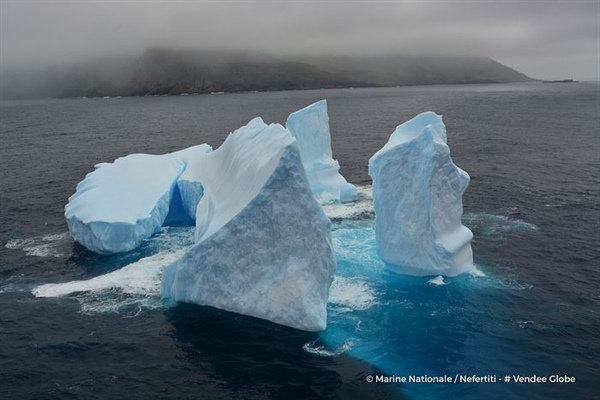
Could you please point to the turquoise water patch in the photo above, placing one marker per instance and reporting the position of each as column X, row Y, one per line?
column 410, row 326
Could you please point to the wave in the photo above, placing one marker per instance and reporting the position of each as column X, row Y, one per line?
column 437, row 281
column 322, row 351
column 351, row 294
column 362, row 208
column 12, row 284
column 53, row 245
column 137, row 284
column 485, row 224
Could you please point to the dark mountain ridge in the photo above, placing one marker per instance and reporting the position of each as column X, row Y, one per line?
column 173, row 72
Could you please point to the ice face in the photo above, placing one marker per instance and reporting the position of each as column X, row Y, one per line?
column 263, row 242
column 189, row 186
column 417, row 195
column 122, row 203
column 310, row 127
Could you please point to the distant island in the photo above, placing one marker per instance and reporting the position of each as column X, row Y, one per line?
column 176, row 72
column 562, row 81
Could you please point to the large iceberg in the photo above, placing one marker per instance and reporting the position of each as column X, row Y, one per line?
column 417, row 195
column 310, row 127
column 120, row 204
column 263, row 241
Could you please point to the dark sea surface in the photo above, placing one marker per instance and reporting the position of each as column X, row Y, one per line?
column 533, row 154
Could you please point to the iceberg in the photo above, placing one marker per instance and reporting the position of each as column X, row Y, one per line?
column 120, row 204
column 310, row 127
column 417, row 196
column 263, row 243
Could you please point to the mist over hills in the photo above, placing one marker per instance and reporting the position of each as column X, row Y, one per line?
column 174, row 72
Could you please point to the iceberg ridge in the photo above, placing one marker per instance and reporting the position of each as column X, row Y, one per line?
column 263, row 241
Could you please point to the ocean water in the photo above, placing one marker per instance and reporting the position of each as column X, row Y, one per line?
column 76, row 325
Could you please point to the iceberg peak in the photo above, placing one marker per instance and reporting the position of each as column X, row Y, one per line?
column 263, row 243
column 310, row 127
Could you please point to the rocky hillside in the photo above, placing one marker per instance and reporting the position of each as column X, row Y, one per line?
column 172, row 72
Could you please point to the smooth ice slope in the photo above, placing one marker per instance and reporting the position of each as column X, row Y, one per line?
column 189, row 186
column 310, row 127
column 417, row 195
column 263, row 242
column 120, row 204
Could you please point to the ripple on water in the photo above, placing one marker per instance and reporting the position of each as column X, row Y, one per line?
column 54, row 245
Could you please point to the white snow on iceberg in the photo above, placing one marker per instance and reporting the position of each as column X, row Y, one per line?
column 263, row 242
column 310, row 127
column 120, row 204
column 417, row 195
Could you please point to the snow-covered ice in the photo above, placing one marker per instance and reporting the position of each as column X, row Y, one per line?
column 417, row 196
column 310, row 127
column 120, row 204
column 263, row 241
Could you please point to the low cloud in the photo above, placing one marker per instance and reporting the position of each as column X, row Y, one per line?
column 545, row 39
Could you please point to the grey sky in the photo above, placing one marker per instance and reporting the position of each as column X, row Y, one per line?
column 543, row 39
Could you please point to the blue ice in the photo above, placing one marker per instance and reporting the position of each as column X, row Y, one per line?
column 417, row 196
column 263, row 243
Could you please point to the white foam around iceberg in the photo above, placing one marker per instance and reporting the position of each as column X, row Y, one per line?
column 141, row 277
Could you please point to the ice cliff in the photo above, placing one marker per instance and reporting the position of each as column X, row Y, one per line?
column 263, row 241
column 417, row 196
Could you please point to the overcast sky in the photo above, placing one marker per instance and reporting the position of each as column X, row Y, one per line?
column 541, row 38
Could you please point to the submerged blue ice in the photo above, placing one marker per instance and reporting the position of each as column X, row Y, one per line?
column 417, row 195
column 263, row 241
